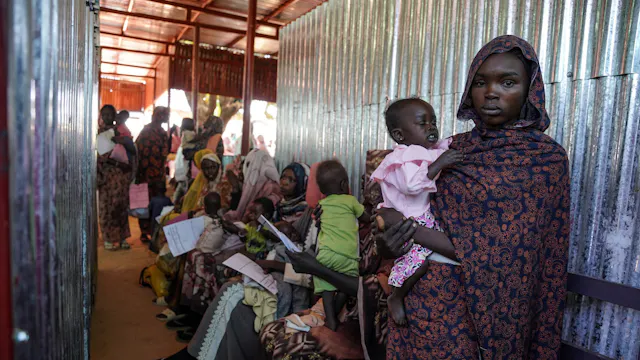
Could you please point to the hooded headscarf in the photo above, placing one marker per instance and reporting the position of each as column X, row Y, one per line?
column 506, row 210
column 194, row 195
column 259, row 170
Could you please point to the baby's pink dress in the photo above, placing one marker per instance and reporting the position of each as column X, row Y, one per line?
column 407, row 188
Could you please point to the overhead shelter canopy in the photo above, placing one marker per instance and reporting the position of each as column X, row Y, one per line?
column 139, row 33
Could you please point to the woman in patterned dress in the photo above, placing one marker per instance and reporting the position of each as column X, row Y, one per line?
column 113, row 180
column 505, row 215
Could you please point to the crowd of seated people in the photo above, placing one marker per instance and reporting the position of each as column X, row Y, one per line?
column 457, row 250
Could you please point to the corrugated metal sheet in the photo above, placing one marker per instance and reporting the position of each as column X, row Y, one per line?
column 339, row 65
column 52, row 67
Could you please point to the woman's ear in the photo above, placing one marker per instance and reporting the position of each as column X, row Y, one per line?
column 397, row 135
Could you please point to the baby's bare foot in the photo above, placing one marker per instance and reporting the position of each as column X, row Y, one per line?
column 396, row 308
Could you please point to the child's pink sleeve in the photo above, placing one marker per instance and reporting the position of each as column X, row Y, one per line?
column 411, row 176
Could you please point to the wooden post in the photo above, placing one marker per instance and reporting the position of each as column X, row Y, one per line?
column 195, row 78
column 247, row 89
column 155, row 81
column 171, row 65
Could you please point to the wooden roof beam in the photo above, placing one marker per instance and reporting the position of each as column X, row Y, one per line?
column 134, row 51
column 135, row 38
column 182, row 22
column 215, row 12
column 267, row 17
column 127, row 65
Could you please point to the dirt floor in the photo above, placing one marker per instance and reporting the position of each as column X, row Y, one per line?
column 123, row 322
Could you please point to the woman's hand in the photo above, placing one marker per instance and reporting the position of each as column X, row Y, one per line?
column 303, row 262
column 317, row 212
column 390, row 216
column 396, row 240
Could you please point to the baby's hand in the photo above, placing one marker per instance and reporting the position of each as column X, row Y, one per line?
column 445, row 160
column 450, row 157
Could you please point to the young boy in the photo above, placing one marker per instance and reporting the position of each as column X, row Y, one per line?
column 212, row 238
column 157, row 202
column 338, row 237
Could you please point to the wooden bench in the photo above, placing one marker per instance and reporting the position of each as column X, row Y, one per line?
column 618, row 294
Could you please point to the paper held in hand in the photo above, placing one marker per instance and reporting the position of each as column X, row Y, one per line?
column 285, row 240
column 246, row 266
column 183, row 236
column 104, row 143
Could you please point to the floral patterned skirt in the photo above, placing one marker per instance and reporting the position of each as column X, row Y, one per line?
column 203, row 277
column 407, row 264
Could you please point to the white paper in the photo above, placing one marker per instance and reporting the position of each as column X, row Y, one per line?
column 104, row 143
column 246, row 266
column 183, row 236
column 285, row 240
column 292, row 277
column 165, row 211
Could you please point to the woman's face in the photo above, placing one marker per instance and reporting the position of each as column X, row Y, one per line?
column 499, row 89
column 288, row 183
column 108, row 116
column 210, row 169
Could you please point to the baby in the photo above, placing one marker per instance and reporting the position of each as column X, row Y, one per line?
column 338, row 237
column 188, row 132
column 121, row 124
column 407, row 178
column 256, row 243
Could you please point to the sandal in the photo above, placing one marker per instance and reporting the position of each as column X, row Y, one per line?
column 185, row 336
column 177, row 325
column 169, row 315
column 109, row 246
column 125, row 245
column 160, row 301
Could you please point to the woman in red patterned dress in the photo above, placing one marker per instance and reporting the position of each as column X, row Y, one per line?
column 505, row 215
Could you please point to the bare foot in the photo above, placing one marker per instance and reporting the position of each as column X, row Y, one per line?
column 396, row 308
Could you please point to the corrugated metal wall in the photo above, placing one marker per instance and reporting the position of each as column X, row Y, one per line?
column 52, row 112
column 340, row 63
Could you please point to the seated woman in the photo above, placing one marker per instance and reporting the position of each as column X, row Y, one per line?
column 206, row 182
column 203, row 272
column 260, row 179
column 293, row 187
column 228, row 332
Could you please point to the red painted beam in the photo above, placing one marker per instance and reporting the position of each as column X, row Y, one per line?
column 6, row 341
column 247, row 89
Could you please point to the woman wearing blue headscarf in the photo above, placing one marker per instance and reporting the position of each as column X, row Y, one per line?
column 293, row 186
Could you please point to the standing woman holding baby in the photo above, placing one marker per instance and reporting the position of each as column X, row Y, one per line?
column 504, row 212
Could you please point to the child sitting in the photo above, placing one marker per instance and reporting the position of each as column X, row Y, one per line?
column 338, row 237
column 158, row 201
column 407, row 177
column 256, row 243
column 212, row 238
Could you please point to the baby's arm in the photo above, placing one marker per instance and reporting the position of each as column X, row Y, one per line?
column 445, row 160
